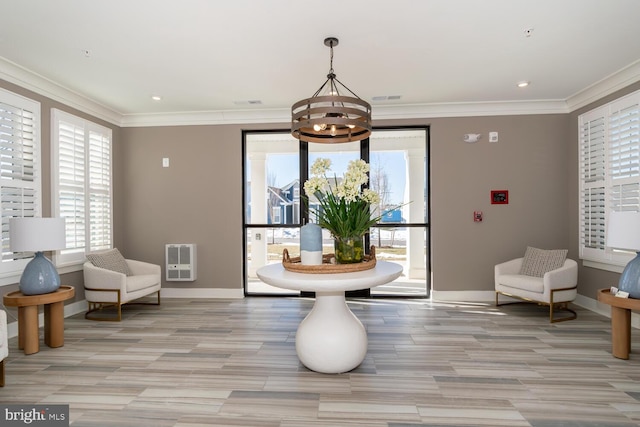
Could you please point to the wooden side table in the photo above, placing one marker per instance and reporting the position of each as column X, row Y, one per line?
column 28, row 317
column 620, row 321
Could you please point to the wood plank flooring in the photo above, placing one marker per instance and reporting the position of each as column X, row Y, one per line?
column 192, row 363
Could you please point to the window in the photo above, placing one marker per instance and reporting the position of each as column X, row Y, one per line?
column 609, row 173
column 20, row 173
column 81, row 177
column 275, row 165
column 275, row 215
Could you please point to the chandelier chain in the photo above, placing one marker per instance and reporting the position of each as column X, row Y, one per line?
column 331, row 59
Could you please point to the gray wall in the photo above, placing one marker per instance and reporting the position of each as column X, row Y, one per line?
column 198, row 199
column 529, row 161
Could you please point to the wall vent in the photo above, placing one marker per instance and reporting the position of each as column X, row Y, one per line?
column 180, row 262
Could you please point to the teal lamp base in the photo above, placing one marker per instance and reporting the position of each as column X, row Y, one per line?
column 39, row 276
column 630, row 278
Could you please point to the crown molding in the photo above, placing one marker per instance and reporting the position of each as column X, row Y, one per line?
column 220, row 117
column 608, row 85
column 466, row 109
column 416, row 111
column 18, row 75
column 29, row 80
column 380, row 112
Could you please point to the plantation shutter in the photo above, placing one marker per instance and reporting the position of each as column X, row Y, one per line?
column 71, row 183
column 609, row 173
column 82, row 182
column 99, row 190
column 19, row 167
column 592, row 180
column 624, row 157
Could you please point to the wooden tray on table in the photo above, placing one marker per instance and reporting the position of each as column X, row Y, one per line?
column 328, row 264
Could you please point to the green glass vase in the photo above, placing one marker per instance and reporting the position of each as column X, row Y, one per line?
column 348, row 250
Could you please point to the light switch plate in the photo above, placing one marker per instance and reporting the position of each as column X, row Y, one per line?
column 165, row 162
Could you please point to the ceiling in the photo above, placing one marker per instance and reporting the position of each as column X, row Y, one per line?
column 250, row 60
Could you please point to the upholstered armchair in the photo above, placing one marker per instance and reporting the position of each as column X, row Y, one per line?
column 533, row 278
column 111, row 280
column 4, row 344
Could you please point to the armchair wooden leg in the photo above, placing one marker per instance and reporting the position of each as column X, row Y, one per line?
column 2, row 373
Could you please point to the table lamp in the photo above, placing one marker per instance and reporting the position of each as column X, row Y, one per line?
column 37, row 235
column 623, row 232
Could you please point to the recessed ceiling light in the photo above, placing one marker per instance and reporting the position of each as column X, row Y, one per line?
column 248, row 102
column 386, row 97
column 156, row 98
column 523, row 84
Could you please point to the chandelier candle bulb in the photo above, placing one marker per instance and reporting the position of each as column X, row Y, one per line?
column 311, row 244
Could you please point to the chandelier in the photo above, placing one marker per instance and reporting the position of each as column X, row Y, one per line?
column 330, row 116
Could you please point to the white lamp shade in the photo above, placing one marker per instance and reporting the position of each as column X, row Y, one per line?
column 623, row 231
column 36, row 234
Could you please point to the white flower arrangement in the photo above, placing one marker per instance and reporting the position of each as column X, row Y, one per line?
column 345, row 208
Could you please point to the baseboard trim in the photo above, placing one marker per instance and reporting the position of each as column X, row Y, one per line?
column 487, row 297
column 82, row 306
column 603, row 309
column 222, row 293
column 466, row 296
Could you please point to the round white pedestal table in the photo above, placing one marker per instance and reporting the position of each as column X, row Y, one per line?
column 331, row 339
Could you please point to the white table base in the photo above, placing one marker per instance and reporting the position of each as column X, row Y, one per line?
column 331, row 339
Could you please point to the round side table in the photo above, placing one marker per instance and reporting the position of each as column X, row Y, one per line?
column 620, row 321
column 28, row 317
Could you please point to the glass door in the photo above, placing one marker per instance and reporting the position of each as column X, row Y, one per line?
column 399, row 174
column 276, row 165
column 272, row 204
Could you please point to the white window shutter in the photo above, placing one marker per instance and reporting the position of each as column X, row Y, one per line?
column 71, row 178
column 100, row 191
column 609, row 173
column 82, row 185
column 624, row 157
column 592, row 182
column 20, row 193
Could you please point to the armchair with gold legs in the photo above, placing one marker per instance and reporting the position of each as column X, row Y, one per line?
column 105, row 287
column 554, row 288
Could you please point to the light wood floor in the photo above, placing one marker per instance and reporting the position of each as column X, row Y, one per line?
column 195, row 363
